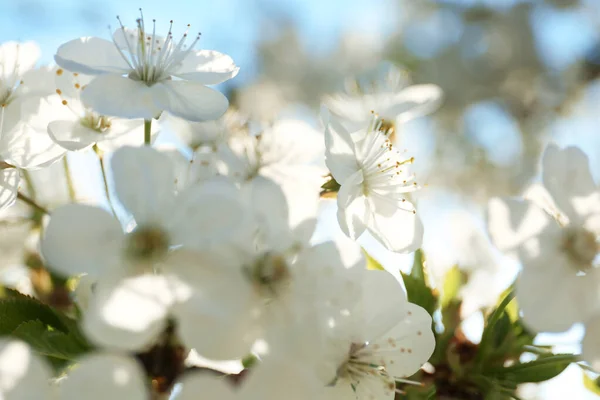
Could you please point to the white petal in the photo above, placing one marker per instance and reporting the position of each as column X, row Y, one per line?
column 144, row 183
column 82, row 239
column 16, row 59
column 413, row 340
column 395, row 225
column 208, row 213
column 125, row 132
column 191, row 100
column 104, row 376
column 22, row 374
column 512, row 222
column 552, row 297
column 381, row 305
column 352, row 206
column 590, row 351
column 269, row 205
column 212, row 388
column 280, row 379
column 119, row 96
column 222, row 300
column 130, row 314
column 71, row 135
column 26, row 147
column 208, row 67
column 566, row 174
column 91, row 55
column 340, row 153
column 9, row 186
column 413, row 102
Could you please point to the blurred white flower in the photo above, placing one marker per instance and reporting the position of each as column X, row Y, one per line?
column 380, row 341
column 389, row 98
column 276, row 172
column 85, row 127
column 86, row 239
column 559, row 284
column 206, row 133
column 24, row 376
column 374, row 182
column 26, row 108
column 249, row 293
column 9, row 185
column 134, row 74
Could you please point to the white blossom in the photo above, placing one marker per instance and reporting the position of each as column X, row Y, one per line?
column 134, row 74
column 374, row 181
column 85, row 127
column 559, row 282
column 379, row 341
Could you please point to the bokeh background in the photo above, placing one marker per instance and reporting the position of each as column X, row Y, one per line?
column 516, row 74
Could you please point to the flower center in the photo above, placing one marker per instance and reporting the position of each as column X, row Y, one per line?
column 360, row 365
column 151, row 57
column 581, row 248
column 270, row 275
column 147, row 244
column 98, row 123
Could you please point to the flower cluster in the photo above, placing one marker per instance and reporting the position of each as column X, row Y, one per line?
column 554, row 234
column 209, row 251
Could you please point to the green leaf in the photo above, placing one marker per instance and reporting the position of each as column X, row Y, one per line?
column 501, row 330
column 16, row 309
column 418, row 268
column 539, row 370
column 488, row 337
column 591, row 384
column 419, row 293
column 452, row 283
column 59, row 347
column 372, row 263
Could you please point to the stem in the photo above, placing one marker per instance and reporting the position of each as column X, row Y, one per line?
column 69, row 179
column 32, row 203
column 147, row 132
column 104, row 178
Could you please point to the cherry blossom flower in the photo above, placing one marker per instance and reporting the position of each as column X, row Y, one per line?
column 390, row 98
column 559, row 282
column 85, row 127
column 376, row 343
column 87, row 239
column 374, row 181
column 135, row 74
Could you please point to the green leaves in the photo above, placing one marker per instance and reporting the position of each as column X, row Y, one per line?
column 543, row 368
column 417, row 290
column 46, row 330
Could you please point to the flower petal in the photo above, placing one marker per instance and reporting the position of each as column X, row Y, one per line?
column 340, row 152
column 104, row 376
column 413, row 102
column 591, row 343
column 91, row 56
column 16, row 59
column 210, row 387
column 566, row 174
column 207, row 67
column 144, row 183
column 207, row 214
column 23, row 374
column 413, row 340
column 513, row 222
column 129, row 314
column 82, row 239
column 352, row 206
column 71, row 135
column 9, row 185
column 395, row 225
column 191, row 100
column 119, row 96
